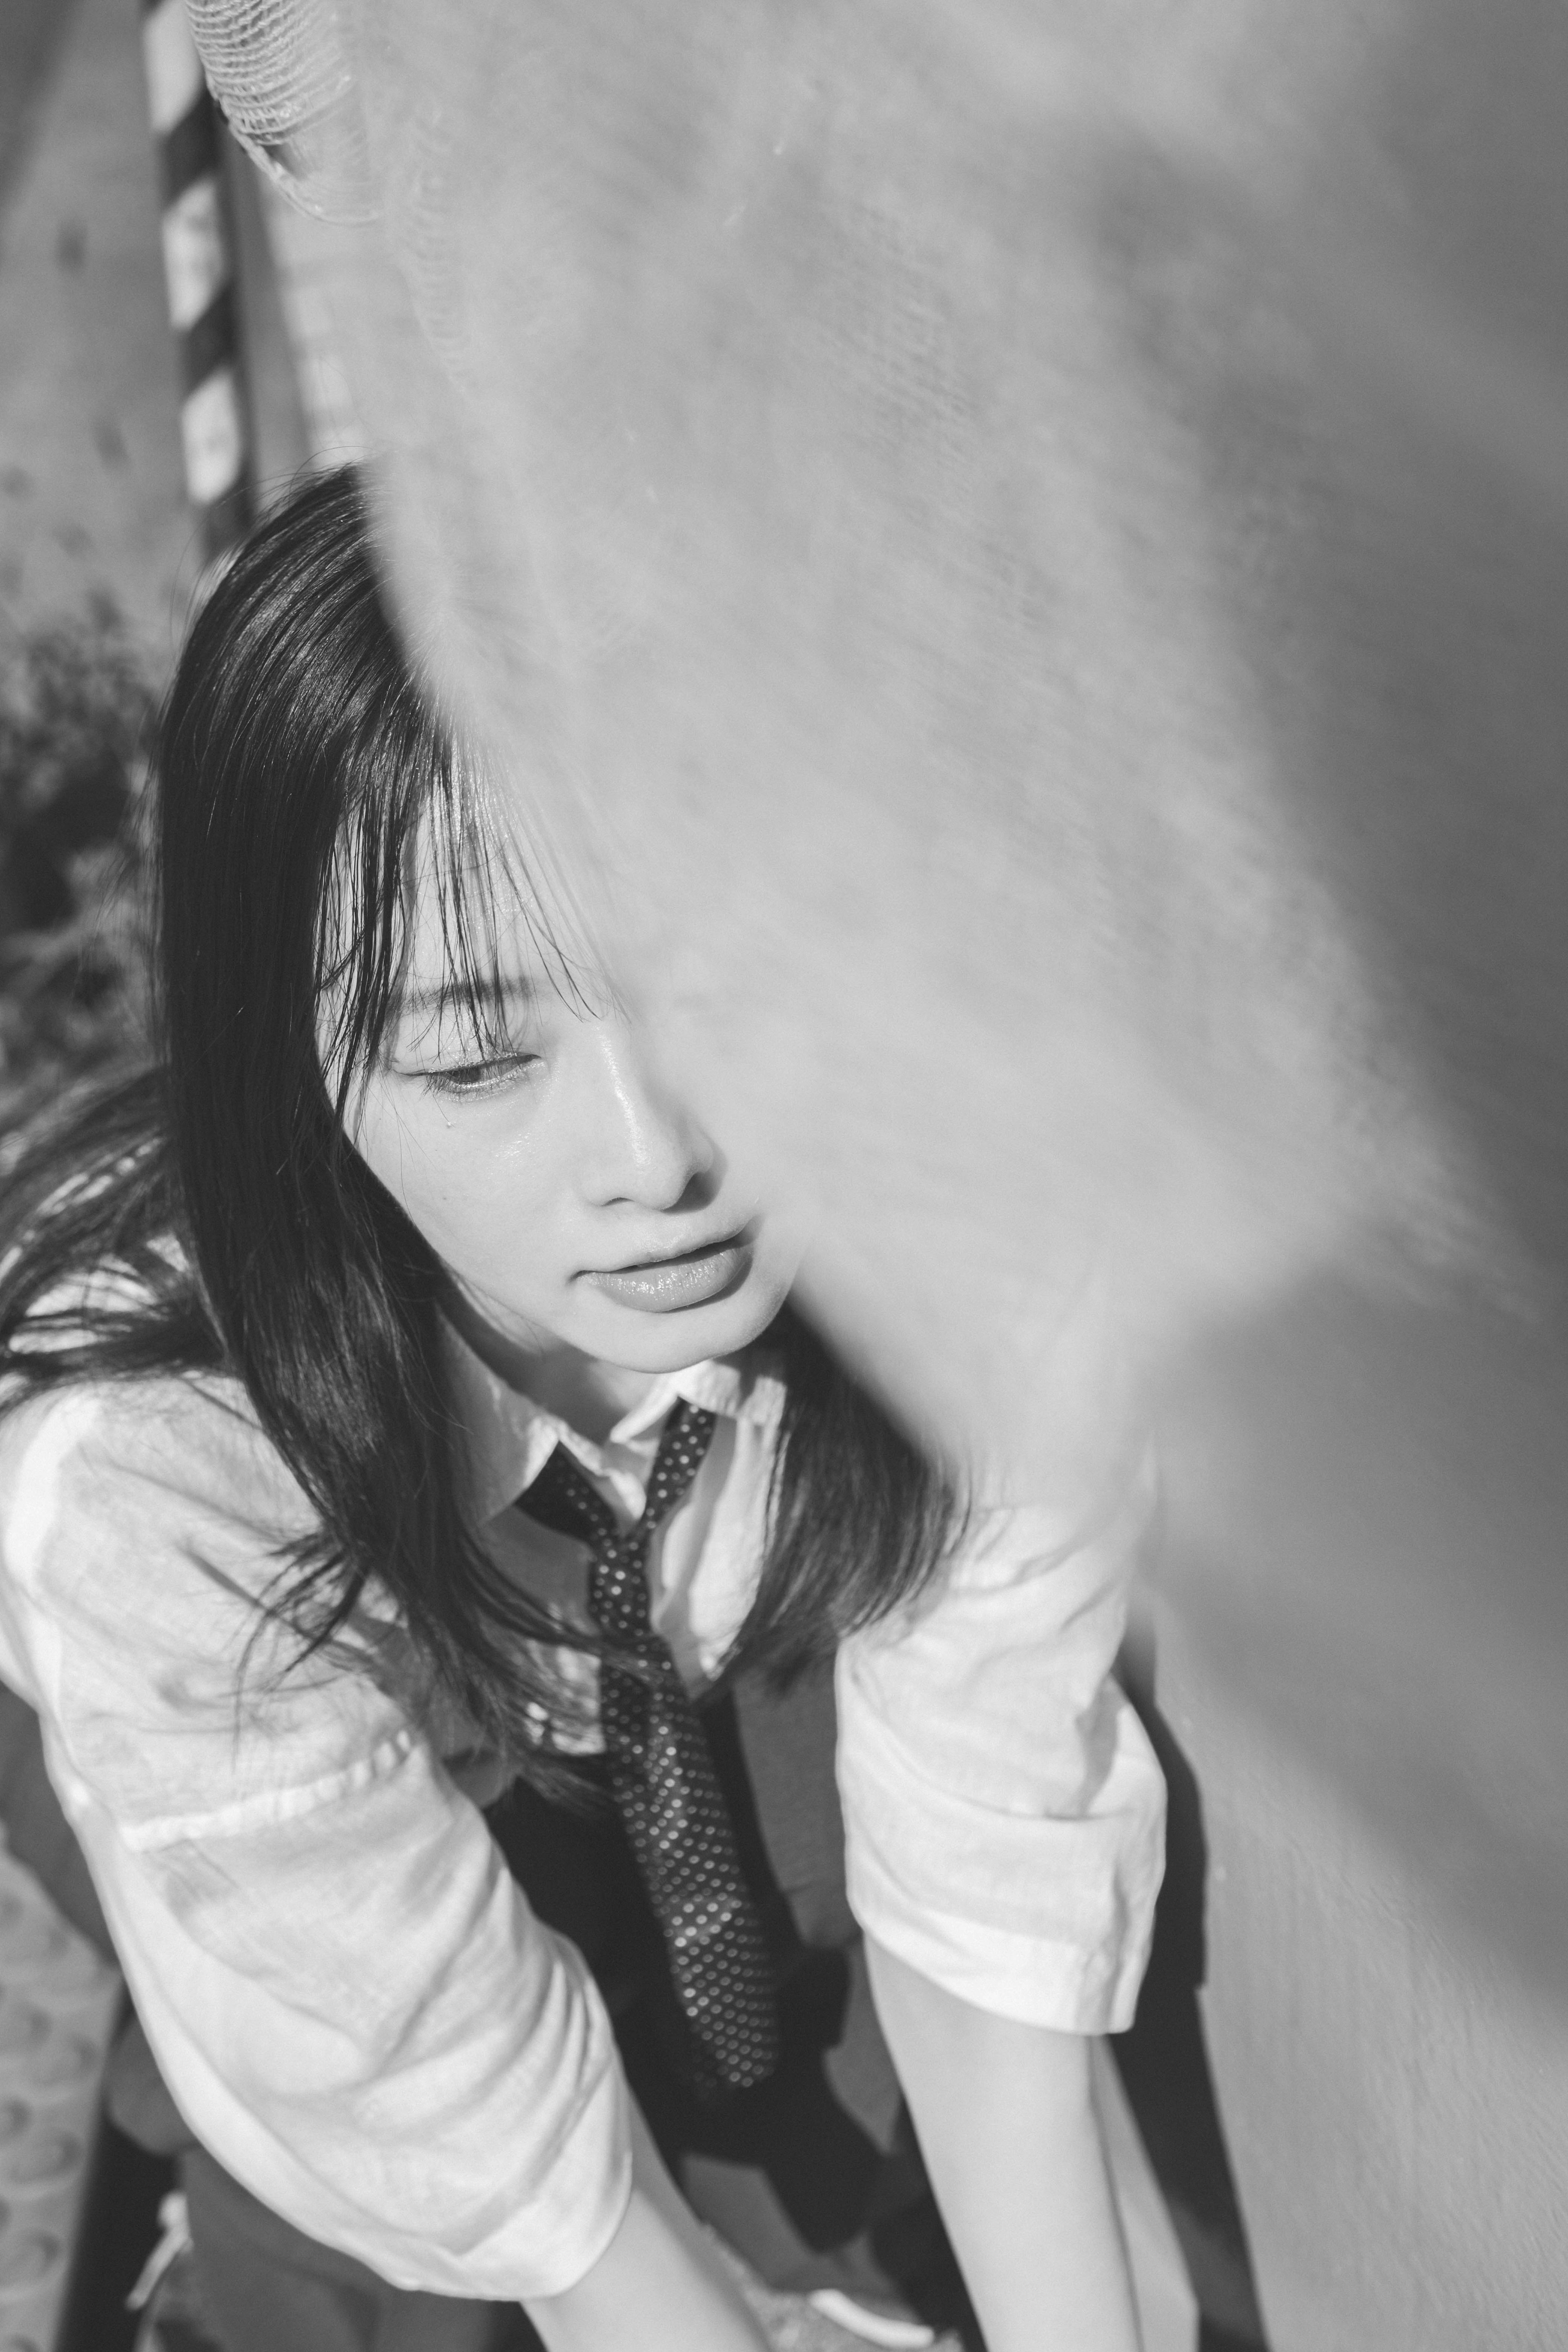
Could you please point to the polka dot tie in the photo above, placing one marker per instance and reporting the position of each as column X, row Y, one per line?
column 661, row 1770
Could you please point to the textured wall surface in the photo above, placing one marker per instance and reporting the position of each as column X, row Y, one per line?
column 1362, row 1636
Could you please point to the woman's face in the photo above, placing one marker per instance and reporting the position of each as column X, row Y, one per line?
column 575, row 1200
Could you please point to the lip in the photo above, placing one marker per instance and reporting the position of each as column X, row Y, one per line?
column 663, row 1286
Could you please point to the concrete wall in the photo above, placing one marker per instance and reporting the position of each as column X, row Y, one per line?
column 1361, row 1600
column 1361, row 1641
column 92, row 500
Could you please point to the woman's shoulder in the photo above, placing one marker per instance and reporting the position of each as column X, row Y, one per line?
column 169, row 1472
column 145, row 1531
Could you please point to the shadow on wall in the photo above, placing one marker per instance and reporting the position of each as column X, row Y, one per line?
column 1164, row 2063
column 1364, row 1637
column 1363, row 1582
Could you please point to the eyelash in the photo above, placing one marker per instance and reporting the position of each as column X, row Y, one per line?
column 469, row 1079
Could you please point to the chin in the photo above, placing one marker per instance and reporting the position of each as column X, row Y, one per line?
column 689, row 1335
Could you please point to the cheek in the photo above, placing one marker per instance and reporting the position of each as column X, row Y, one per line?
column 774, row 1270
column 395, row 1149
column 464, row 1189
column 419, row 1153
column 783, row 1246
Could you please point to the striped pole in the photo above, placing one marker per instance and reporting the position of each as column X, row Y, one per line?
column 306, row 253
column 199, row 272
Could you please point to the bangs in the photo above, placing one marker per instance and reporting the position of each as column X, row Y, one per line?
column 425, row 839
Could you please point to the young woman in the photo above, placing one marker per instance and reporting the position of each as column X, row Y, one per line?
column 534, row 1725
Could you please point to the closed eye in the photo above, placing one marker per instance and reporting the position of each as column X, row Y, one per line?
column 487, row 1077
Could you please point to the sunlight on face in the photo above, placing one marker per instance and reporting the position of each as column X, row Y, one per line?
column 576, row 1202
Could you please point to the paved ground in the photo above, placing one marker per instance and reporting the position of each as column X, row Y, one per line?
column 92, row 499
column 91, row 503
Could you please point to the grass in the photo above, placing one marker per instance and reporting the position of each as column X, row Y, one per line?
column 75, row 708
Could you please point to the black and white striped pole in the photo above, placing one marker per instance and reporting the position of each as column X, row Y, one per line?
column 199, row 272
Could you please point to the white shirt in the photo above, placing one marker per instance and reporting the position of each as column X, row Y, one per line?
column 349, row 1998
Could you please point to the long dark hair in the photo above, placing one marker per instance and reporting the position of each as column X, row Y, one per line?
column 297, row 763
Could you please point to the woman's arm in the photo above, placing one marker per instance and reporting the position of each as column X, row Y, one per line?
column 657, row 2285
column 1007, row 2126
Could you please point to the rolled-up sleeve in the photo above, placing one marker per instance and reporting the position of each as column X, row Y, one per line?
column 349, row 1998
column 1004, row 1811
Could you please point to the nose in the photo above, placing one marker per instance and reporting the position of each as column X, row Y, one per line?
column 642, row 1145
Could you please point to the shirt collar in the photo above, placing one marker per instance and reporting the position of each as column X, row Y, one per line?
column 511, row 1438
